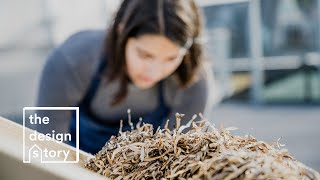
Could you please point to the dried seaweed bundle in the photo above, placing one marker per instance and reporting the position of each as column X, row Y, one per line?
column 203, row 152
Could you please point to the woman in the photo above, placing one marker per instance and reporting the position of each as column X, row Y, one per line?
column 149, row 61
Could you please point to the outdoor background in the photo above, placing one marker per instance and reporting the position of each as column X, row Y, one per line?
column 265, row 56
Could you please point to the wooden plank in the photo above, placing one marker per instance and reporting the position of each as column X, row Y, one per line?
column 11, row 155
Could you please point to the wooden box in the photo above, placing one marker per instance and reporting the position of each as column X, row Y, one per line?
column 11, row 157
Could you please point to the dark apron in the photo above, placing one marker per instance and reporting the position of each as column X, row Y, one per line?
column 94, row 132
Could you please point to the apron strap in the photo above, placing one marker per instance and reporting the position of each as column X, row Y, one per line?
column 94, row 84
column 161, row 98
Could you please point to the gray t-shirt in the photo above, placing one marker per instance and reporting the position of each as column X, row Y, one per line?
column 69, row 70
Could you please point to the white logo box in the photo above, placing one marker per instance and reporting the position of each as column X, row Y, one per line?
column 27, row 159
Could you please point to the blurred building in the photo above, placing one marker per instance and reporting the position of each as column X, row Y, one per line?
column 265, row 51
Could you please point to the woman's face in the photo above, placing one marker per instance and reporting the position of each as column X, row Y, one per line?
column 151, row 58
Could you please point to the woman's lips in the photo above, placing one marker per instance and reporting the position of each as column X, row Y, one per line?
column 145, row 79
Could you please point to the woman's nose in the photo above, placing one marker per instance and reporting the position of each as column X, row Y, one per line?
column 154, row 68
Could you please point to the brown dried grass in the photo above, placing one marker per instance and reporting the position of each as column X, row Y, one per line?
column 203, row 152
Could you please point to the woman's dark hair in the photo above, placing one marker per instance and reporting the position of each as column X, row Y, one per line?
column 178, row 20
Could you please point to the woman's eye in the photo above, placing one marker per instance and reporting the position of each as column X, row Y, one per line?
column 171, row 59
column 144, row 56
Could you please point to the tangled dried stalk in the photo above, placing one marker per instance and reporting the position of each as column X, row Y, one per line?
column 203, row 152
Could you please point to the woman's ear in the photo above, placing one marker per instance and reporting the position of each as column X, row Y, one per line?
column 120, row 28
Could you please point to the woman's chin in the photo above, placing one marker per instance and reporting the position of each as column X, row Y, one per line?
column 144, row 85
